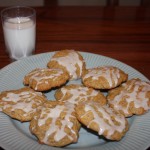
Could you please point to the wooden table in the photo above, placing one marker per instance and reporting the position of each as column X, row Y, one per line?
column 122, row 33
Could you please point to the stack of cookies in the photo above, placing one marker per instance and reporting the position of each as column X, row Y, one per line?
column 57, row 122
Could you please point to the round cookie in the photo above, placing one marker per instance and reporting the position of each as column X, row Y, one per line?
column 21, row 104
column 55, row 124
column 132, row 97
column 45, row 79
column 106, row 77
column 75, row 93
column 70, row 61
column 102, row 119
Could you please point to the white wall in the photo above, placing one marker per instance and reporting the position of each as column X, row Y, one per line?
column 68, row 2
column 22, row 2
column 129, row 2
column 97, row 2
column 82, row 2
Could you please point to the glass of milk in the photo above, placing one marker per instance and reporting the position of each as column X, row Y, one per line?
column 19, row 27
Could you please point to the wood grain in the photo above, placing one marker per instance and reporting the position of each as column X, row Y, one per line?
column 122, row 33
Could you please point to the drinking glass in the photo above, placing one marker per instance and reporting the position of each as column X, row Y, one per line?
column 19, row 28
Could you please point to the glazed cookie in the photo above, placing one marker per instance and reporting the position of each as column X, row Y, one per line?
column 102, row 119
column 132, row 97
column 55, row 124
column 45, row 79
column 75, row 93
column 70, row 61
column 106, row 77
column 21, row 104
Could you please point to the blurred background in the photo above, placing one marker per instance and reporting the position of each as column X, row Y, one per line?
column 37, row 3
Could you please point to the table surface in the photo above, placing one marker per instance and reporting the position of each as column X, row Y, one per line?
column 122, row 33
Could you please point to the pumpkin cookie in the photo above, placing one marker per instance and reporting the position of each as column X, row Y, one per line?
column 132, row 97
column 70, row 61
column 106, row 77
column 75, row 93
column 55, row 124
column 21, row 104
column 102, row 119
column 45, row 79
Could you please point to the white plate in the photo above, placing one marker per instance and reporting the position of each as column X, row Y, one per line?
column 16, row 136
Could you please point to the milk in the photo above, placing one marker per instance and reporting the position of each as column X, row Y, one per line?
column 19, row 34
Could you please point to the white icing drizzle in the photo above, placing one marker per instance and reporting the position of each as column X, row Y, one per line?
column 138, row 96
column 54, row 114
column 101, row 121
column 23, row 101
column 40, row 74
column 78, row 94
column 108, row 72
column 69, row 62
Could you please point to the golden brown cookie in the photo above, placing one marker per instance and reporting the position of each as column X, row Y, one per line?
column 55, row 124
column 21, row 104
column 70, row 61
column 102, row 119
column 45, row 79
column 106, row 77
column 132, row 97
column 75, row 93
